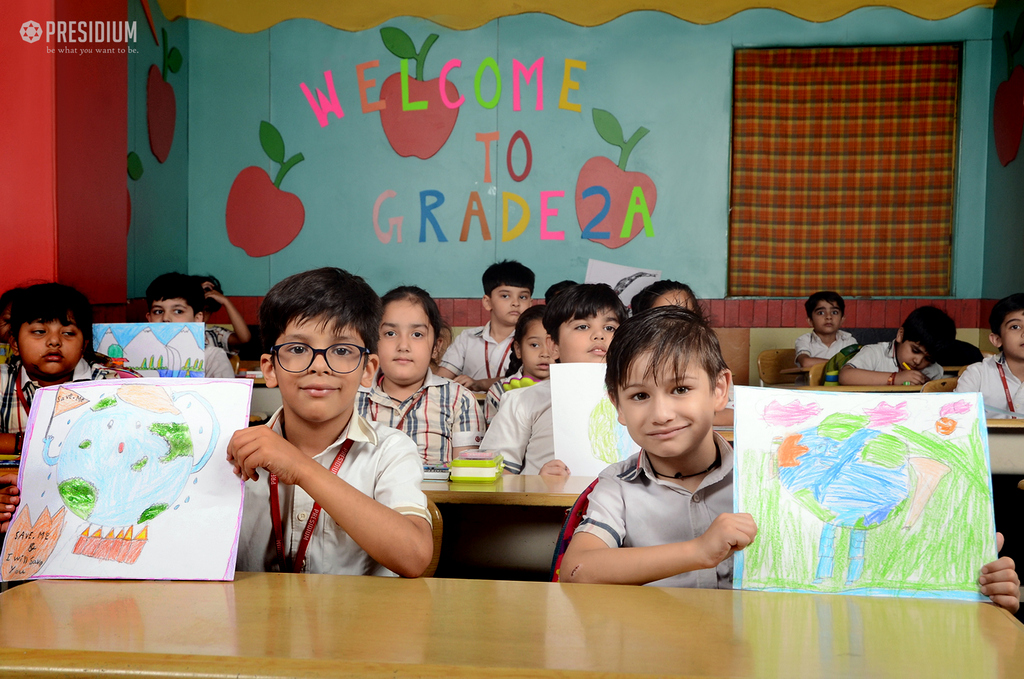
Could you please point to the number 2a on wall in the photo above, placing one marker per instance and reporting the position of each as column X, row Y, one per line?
column 637, row 207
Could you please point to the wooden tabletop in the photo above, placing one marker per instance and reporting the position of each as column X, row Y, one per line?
column 324, row 626
column 795, row 370
column 511, row 489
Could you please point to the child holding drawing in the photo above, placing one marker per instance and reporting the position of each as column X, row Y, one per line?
column 320, row 332
column 667, row 379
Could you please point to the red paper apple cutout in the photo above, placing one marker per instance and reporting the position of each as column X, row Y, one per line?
column 619, row 184
column 1008, row 111
column 423, row 131
column 261, row 218
column 160, row 103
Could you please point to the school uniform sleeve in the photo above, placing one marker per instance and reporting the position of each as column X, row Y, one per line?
column 399, row 474
column 934, row 371
column 803, row 345
column 468, row 423
column 455, row 358
column 970, row 380
column 216, row 363
column 873, row 357
column 605, row 516
column 509, row 433
column 493, row 401
column 218, row 336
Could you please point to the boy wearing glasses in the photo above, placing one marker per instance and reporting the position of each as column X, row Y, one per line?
column 319, row 331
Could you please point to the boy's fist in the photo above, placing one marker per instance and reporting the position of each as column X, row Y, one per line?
column 262, row 447
column 728, row 533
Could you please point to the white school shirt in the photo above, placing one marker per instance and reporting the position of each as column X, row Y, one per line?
column 984, row 377
column 474, row 350
column 631, row 507
column 216, row 363
column 881, row 357
column 812, row 345
column 493, row 399
column 522, row 431
column 381, row 464
column 440, row 416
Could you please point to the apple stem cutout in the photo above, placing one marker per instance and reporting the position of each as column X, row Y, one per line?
column 160, row 104
column 607, row 197
column 1008, row 112
column 261, row 218
column 416, row 116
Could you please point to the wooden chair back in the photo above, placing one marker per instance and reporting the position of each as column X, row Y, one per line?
column 816, row 377
column 436, row 530
column 771, row 361
column 941, row 384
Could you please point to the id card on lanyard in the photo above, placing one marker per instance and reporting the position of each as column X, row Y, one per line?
column 314, row 515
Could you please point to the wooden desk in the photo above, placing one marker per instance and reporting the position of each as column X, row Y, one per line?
column 795, row 370
column 271, row 625
column 511, row 490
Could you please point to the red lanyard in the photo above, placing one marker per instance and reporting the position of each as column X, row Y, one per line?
column 21, row 399
column 307, row 533
column 1006, row 387
column 487, row 359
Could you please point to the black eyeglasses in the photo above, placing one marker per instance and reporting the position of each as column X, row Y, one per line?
column 296, row 357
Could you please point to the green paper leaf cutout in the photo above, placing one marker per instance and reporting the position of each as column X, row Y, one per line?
column 174, row 60
column 271, row 141
column 398, row 42
column 135, row 169
column 608, row 127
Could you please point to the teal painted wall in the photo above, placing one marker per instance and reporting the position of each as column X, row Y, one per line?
column 1004, row 215
column 647, row 68
column 158, row 234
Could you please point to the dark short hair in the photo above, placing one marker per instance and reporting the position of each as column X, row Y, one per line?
column 1002, row 309
column 9, row 296
column 560, row 286
column 328, row 295
column 507, row 272
column 931, row 328
column 176, row 285
column 581, row 301
column 47, row 302
column 674, row 337
column 534, row 313
column 419, row 296
column 833, row 298
column 644, row 300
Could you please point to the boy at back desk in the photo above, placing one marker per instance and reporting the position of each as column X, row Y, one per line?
column 479, row 356
column 825, row 310
column 663, row 516
column 580, row 323
column 319, row 331
column 177, row 298
column 908, row 359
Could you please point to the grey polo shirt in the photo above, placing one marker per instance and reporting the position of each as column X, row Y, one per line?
column 631, row 507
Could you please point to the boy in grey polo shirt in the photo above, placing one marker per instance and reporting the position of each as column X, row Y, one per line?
column 662, row 517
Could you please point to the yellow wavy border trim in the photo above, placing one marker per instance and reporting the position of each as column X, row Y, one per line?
column 251, row 16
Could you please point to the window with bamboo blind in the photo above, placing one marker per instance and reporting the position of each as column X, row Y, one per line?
column 843, row 170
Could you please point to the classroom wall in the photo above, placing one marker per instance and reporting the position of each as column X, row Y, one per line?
column 647, row 68
column 1004, row 207
column 159, row 228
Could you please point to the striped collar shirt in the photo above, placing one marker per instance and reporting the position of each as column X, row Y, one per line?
column 442, row 415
